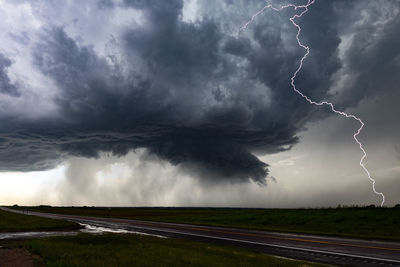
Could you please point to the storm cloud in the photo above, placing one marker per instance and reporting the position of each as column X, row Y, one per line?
column 188, row 91
column 6, row 86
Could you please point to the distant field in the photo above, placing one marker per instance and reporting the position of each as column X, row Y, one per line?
column 12, row 222
column 351, row 222
column 136, row 250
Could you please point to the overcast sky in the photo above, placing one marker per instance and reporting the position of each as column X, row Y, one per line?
column 135, row 103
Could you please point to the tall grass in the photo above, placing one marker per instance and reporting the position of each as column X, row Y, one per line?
column 136, row 250
column 12, row 222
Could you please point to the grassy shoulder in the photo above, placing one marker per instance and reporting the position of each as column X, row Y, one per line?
column 137, row 250
column 380, row 223
column 13, row 222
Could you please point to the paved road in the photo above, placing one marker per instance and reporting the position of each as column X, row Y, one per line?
column 333, row 250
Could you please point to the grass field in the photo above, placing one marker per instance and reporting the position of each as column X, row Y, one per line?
column 136, row 250
column 124, row 250
column 350, row 222
column 12, row 222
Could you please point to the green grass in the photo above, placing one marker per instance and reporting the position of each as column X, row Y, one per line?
column 12, row 222
column 136, row 250
column 381, row 223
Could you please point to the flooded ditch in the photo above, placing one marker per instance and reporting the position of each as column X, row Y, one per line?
column 88, row 228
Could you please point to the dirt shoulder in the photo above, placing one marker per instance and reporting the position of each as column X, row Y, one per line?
column 16, row 257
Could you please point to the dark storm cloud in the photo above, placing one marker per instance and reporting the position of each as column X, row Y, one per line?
column 374, row 52
column 194, row 95
column 6, row 86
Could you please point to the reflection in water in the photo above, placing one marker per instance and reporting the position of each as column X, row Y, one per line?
column 91, row 229
column 28, row 235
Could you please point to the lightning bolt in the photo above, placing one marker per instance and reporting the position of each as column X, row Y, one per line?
column 322, row 103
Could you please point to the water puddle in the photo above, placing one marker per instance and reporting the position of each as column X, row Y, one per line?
column 29, row 235
column 91, row 229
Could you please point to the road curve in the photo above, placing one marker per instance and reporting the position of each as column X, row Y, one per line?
column 332, row 250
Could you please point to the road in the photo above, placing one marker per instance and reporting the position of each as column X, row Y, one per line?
column 332, row 250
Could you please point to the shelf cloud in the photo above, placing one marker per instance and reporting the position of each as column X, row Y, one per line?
column 127, row 75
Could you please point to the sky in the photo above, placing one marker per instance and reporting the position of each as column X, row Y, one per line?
column 165, row 103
